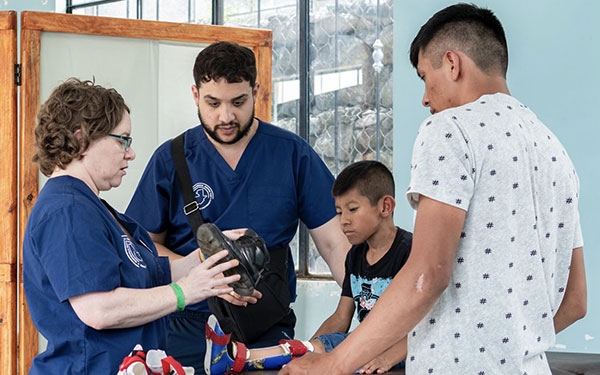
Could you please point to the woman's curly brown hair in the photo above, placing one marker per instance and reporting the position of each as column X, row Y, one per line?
column 74, row 105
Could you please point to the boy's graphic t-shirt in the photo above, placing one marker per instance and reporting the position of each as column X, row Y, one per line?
column 364, row 283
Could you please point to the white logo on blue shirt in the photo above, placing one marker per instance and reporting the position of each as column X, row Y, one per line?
column 204, row 194
column 132, row 253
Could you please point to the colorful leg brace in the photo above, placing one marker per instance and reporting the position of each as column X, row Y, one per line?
column 219, row 361
column 292, row 349
column 152, row 362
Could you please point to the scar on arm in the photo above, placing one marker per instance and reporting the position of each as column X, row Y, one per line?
column 419, row 284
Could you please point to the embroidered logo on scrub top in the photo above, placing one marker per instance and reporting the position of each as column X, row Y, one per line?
column 132, row 253
column 204, row 194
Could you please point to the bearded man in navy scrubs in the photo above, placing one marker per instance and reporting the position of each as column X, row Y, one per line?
column 246, row 173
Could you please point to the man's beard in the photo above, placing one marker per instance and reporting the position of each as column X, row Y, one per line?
column 242, row 130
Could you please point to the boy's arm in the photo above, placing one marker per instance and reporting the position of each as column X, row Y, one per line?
column 386, row 360
column 340, row 320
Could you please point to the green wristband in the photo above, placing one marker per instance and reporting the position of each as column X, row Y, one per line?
column 180, row 297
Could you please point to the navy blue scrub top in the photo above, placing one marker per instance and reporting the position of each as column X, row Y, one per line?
column 278, row 180
column 73, row 246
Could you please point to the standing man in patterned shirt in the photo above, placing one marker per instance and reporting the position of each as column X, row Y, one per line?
column 496, row 268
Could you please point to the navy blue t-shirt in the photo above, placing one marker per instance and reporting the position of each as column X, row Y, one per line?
column 73, row 246
column 278, row 180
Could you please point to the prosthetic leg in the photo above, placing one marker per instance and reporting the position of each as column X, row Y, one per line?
column 134, row 363
column 225, row 356
column 151, row 362
column 249, row 250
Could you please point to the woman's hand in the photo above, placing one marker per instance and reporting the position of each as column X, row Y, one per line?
column 206, row 279
column 131, row 307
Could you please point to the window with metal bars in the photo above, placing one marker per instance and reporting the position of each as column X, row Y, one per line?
column 332, row 73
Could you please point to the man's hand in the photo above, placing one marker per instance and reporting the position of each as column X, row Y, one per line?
column 378, row 365
column 234, row 234
column 311, row 363
column 239, row 300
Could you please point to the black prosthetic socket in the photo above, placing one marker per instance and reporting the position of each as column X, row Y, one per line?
column 249, row 250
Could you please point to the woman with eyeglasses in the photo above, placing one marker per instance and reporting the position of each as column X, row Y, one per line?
column 94, row 282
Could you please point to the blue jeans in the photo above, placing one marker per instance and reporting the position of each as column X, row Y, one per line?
column 332, row 340
column 186, row 340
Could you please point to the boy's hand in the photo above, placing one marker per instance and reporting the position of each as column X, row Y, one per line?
column 378, row 365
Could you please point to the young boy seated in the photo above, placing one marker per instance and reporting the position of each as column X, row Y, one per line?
column 364, row 200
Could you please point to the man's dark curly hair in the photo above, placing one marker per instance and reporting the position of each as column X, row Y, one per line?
column 74, row 105
column 226, row 60
column 372, row 179
column 475, row 31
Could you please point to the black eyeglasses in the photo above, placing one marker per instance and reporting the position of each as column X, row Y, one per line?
column 127, row 140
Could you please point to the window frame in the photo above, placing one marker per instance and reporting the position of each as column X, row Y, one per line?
column 304, row 77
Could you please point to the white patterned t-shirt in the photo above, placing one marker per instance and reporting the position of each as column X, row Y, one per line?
column 495, row 159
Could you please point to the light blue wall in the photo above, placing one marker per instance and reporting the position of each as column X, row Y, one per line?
column 20, row 5
column 316, row 301
column 553, row 56
column 41, row 5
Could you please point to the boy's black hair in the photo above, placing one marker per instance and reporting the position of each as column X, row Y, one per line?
column 475, row 31
column 372, row 179
column 226, row 60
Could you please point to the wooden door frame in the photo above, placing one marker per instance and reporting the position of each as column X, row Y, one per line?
column 8, row 193
column 32, row 25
